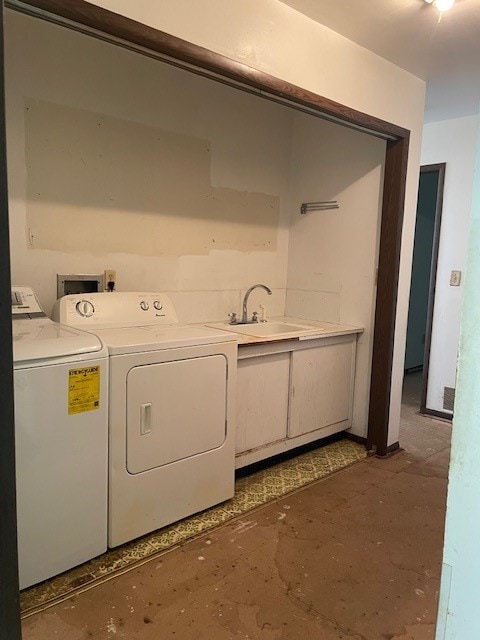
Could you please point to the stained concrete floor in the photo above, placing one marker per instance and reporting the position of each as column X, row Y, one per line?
column 354, row 556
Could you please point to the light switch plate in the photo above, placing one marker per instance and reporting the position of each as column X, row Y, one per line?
column 455, row 278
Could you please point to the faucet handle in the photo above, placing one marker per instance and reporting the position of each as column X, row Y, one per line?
column 255, row 316
column 233, row 318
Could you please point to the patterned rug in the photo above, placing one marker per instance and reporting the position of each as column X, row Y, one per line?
column 250, row 492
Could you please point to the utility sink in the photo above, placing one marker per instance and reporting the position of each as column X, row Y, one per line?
column 271, row 329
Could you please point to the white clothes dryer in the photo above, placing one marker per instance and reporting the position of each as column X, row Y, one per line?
column 171, row 409
column 61, row 430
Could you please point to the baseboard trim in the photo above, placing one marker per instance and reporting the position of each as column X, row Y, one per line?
column 355, row 438
column 432, row 413
column 390, row 451
column 416, row 369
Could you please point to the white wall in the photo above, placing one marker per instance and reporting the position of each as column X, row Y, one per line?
column 333, row 255
column 275, row 38
column 460, row 590
column 272, row 37
column 453, row 142
column 69, row 81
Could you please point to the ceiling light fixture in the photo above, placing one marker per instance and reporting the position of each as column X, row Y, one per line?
column 442, row 5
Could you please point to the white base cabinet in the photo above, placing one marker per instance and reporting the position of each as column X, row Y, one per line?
column 262, row 400
column 321, row 388
column 292, row 392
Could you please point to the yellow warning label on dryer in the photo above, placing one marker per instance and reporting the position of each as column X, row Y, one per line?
column 83, row 389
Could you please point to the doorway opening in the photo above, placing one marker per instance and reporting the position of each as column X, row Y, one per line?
column 422, row 290
column 156, row 44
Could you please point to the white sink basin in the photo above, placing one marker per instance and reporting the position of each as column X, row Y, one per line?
column 269, row 329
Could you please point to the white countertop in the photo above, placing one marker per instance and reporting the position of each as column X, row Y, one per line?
column 310, row 330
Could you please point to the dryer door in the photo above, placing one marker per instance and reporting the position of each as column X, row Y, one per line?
column 175, row 410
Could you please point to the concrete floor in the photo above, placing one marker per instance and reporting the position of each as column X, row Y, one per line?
column 354, row 556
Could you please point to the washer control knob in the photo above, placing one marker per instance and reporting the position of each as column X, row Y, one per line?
column 85, row 308
column 157, row 305
column 144, row 305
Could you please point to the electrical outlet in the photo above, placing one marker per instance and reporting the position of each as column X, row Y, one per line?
column 110, row 275
column 455, row 278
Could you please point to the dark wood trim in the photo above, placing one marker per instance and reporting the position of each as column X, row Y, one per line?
column 432, row 413
column 354, row 438
column 9, row 596
column 149, row 39
column 391, row 450
column 387, row 291
column 440, row 169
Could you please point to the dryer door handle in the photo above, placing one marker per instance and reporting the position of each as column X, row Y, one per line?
column 145, row 419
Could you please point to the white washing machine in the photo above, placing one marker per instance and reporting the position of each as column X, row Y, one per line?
column 171, row 409
column 61, row 433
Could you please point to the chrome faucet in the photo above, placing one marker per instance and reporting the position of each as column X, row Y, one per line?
column 244, row 319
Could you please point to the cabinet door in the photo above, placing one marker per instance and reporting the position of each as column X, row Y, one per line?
column 321, row 388
column 262, row 400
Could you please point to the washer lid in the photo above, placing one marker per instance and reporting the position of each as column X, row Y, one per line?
column 152, row 338
column 41, row 339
